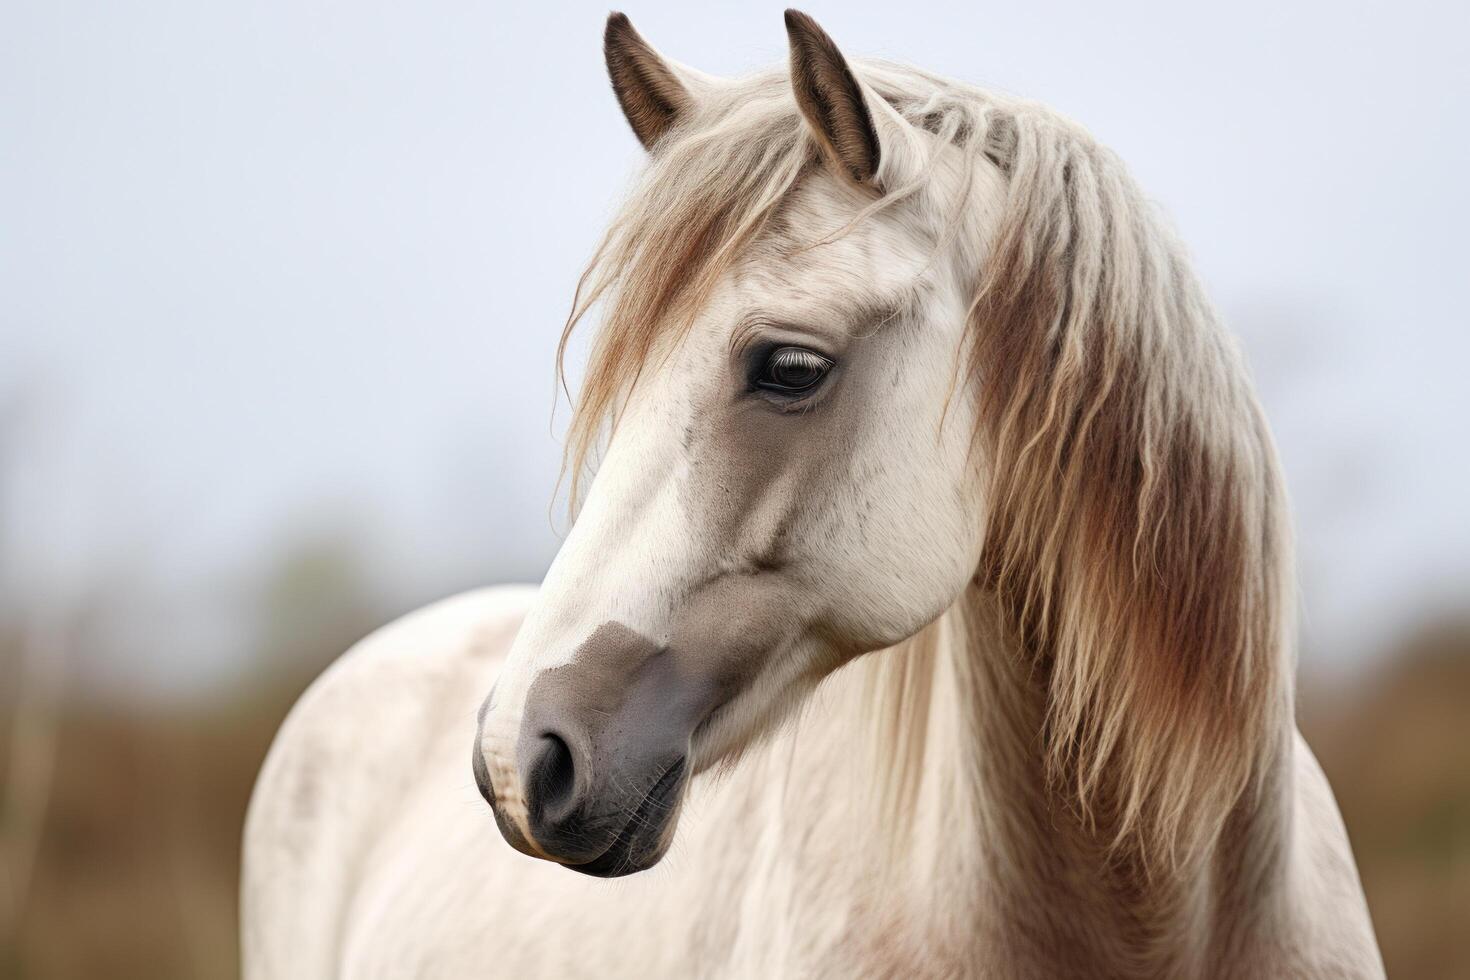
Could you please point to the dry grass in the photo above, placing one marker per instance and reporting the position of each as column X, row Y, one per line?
column 138, row 866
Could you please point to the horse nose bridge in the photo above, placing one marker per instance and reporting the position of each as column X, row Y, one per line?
column 634, row 546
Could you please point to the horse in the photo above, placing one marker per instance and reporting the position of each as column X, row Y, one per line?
column 927, row 611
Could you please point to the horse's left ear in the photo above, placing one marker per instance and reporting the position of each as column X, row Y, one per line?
column 854, row 126
column 649, row 88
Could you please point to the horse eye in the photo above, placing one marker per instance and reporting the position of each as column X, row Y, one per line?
column 792, row 370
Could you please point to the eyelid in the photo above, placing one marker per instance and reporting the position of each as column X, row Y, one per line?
column 767, row 333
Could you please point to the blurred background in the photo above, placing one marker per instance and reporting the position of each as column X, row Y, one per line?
column 280, row 286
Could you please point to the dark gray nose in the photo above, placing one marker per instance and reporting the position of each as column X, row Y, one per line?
column 599, row 801
column 551, row 786
column 571, row 814
column 556, row 813
column 554, row 774
column 602, row 751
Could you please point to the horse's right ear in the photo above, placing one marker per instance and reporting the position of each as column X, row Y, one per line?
column 648, row 88
column 863, row 137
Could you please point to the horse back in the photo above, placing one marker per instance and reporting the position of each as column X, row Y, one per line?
column 346, row 756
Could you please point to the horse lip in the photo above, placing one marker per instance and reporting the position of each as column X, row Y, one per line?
column 619, row 858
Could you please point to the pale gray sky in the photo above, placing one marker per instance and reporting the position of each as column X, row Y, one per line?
column 291, row 267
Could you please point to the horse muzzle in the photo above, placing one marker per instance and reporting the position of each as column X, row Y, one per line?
column 601, row 755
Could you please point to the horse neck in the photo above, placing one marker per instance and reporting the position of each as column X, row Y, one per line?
column 975, row 826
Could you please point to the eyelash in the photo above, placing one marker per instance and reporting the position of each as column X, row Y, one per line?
column 765, row 373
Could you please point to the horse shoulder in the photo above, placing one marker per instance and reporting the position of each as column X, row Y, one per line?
column 1337, row 932
column 347, row 755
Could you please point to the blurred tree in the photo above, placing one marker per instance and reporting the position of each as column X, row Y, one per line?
column 315, row 601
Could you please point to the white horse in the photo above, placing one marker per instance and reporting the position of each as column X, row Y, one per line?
column 934, row 584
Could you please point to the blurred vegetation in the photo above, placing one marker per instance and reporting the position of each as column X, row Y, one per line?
column 136, row 842
column 1397, row 750
column 135, row 870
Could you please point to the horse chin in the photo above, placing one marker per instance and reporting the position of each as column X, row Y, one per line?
column 645, row 838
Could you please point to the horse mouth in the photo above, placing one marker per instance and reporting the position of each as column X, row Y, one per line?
column 638, row 845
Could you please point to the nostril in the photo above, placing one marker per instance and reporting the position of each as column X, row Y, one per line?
column 555, row 773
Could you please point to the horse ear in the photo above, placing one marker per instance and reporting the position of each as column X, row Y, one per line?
column 648, row 88
column 832, row 100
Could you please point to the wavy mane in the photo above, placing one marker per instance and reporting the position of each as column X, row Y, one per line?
column 1136, row 534
column 1137, row 531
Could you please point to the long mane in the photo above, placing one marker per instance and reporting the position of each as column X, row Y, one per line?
column 1137, row 530
column 1136, row 533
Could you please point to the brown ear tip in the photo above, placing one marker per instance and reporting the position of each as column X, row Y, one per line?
column 617, row 23
column 796, row 20
column 802, row 29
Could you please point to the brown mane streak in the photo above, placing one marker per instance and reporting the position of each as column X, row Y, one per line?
column 701, row 201
column 1131, row 478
